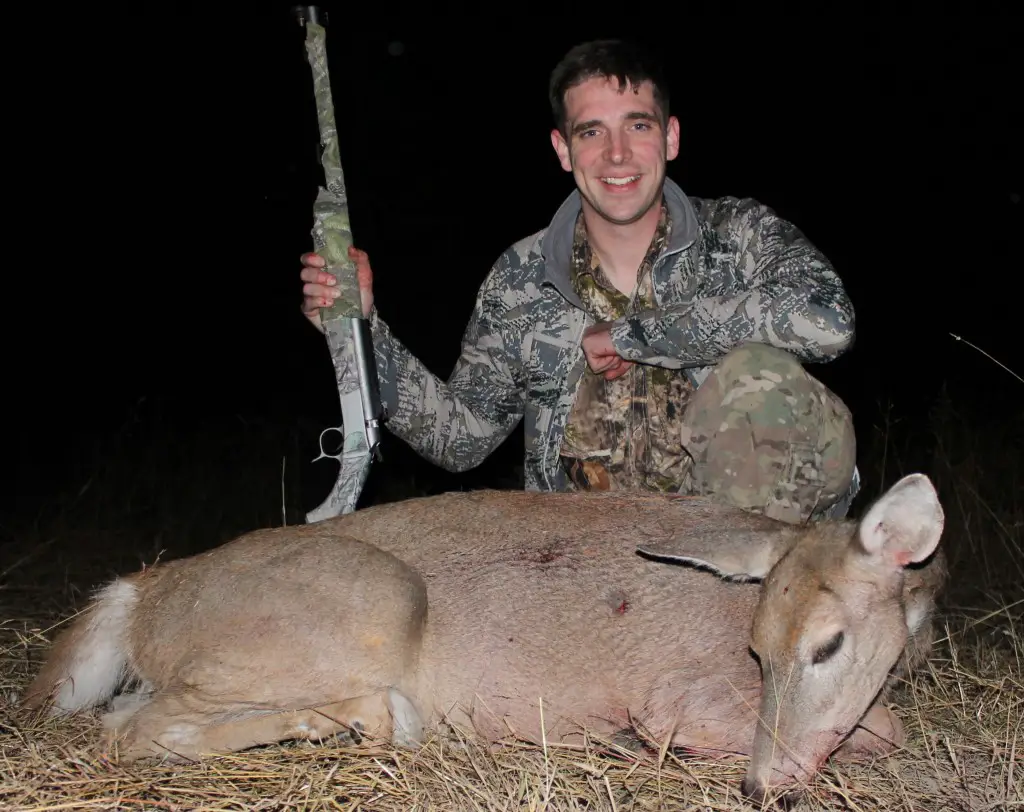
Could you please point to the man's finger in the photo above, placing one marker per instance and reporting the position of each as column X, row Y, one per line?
column 604, row 357
column 313, row 291
column 317, row 277
column 621, row 369
column 314, row 259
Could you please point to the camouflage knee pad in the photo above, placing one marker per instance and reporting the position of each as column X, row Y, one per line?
column 766, row 436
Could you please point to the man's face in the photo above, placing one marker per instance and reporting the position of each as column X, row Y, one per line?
column 617, row 148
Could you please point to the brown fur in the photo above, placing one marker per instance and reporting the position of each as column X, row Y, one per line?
column 486, row 609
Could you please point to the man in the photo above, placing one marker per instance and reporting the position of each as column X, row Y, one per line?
column 648, row 339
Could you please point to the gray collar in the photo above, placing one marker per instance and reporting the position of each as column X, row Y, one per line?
column 556, row 245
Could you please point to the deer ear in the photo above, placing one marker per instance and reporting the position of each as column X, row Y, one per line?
column 905, row 524
column 739, row 555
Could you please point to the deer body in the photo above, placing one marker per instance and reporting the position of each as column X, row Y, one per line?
column 495, row 610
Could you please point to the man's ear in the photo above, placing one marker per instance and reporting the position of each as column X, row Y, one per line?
column 561, row 150
column 672, row 139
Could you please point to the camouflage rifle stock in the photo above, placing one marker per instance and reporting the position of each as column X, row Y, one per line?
column 347, row 332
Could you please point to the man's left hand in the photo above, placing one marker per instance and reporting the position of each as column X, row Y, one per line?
column 601, row 353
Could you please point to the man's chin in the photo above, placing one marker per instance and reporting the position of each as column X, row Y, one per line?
column 623, row 217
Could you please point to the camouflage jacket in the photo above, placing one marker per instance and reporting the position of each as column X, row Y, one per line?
column 732, row 272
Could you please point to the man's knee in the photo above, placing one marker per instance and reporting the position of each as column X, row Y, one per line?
column 767, row 436
column 760, row 361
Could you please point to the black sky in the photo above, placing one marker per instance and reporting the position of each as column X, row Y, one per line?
column 168, row 163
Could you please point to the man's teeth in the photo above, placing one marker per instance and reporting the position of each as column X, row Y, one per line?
column 621, row 181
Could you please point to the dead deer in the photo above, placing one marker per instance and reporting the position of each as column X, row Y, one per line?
column 495, row 609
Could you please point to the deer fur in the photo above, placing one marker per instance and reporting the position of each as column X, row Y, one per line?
column 702, row 625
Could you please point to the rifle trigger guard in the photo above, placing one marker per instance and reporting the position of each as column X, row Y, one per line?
column 323, row 454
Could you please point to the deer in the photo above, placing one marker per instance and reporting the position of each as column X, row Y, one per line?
column 535, row 616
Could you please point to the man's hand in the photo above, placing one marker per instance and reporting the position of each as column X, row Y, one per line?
column 601, row 353
column 321, row 289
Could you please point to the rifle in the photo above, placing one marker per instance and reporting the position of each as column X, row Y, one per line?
column 347, row 332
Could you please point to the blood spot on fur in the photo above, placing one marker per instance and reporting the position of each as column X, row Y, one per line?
column 620, row 603
column 553, row 553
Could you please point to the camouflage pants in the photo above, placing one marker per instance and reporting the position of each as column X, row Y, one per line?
column 766, row 436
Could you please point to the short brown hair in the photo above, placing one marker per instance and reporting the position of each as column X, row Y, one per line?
column 625, row 61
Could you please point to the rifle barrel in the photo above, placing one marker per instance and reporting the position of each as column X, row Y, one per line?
column 312, row 14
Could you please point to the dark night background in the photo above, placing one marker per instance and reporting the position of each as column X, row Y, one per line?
column 171, row 162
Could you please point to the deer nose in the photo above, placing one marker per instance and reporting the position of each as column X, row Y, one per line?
column 755, row 792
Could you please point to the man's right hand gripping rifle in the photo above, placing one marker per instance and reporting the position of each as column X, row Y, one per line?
column 320, row 288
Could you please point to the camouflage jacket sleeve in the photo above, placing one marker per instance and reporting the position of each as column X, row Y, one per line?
column 786, row 295
column 458, row 423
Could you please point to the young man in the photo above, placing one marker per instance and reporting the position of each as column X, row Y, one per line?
column 649, row 340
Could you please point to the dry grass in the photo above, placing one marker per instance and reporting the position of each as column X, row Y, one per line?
column 964, row 715
column 964, row 722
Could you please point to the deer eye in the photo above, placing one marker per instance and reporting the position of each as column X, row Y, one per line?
column 828, row 650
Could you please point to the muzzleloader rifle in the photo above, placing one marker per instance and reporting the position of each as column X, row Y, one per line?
column 346, row 330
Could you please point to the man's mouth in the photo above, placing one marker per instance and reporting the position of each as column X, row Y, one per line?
column 620, row 183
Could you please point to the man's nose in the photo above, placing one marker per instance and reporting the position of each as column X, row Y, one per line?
column 618, row 149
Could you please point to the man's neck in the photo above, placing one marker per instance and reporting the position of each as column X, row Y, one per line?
column 620, row 249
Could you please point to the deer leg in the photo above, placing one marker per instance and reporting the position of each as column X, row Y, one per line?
column 877, row 734
column 169, row 729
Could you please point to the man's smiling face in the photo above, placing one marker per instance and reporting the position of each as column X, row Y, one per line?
column 618, row 147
